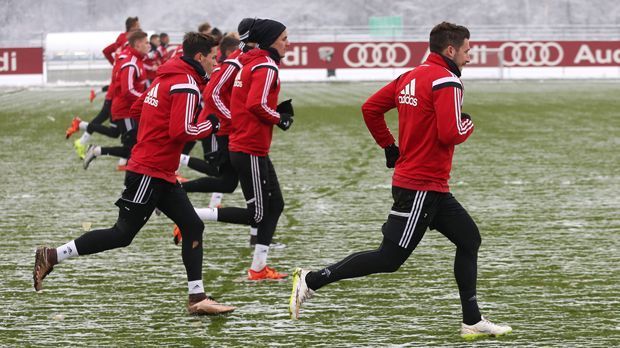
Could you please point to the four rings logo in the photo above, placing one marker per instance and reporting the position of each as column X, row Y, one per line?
column 531, row 53
column 380, row 55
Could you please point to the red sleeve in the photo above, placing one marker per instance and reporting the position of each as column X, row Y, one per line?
column 136, row 107
column 258, row 96
column 225, row 81
column 108, row 51
column 128, row 78
column 374, row 110
column 447, row 99
column 184, row 125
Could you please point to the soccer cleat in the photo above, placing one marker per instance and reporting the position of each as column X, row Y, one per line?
column 265, row 274
column 300, row 293
column 176, row 235
column 92, row 95
column 90, row 156
column 80, row 148
column 208, row 306
column 483, row 328
column 42, row 267
column 74, row 127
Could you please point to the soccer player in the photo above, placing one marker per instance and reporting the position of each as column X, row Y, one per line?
column 428, row 99
column 223, row 176
column 255, row 111
column 129, row 83
column 169, row 112
column 152, row 60
column 111, row 52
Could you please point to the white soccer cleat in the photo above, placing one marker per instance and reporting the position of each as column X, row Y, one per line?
column 301, row 292
column 483, row 328
column 89, row 156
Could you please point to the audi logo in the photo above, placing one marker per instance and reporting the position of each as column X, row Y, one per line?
column 531, row 53
column 381, row 55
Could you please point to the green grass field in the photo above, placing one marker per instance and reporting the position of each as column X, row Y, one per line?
column 540, row 175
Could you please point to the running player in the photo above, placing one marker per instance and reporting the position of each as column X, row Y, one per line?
column 428, row 99
column 169, row 111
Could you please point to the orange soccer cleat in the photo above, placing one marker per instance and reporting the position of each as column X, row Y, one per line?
column 266, row 273
column 75, row 126
column 176, row 235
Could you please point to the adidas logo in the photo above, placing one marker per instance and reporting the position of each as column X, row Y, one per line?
column 151, row 97
column 407, row 95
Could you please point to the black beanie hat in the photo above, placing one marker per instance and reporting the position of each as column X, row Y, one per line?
column 265, row 32
column 244, row 28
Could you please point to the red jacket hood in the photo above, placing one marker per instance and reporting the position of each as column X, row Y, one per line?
column 178, row 66
column 252, row 54
column 438, row 59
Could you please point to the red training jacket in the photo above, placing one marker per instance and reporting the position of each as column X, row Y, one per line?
column 115, row 47
column 253, row 103
column 428, row 99
column 218, row 90
column 129, row 82
column 168, row 112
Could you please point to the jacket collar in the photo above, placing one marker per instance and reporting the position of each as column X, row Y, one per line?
column 196, row 66
column 440, row 59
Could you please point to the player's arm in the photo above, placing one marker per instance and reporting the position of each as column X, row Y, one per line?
column 226, row 78
column 108, row 51
column 184, row 125
column 263, row 79
column 136, row 107
column 374, row 110
column 128, row 75
column 452, row 129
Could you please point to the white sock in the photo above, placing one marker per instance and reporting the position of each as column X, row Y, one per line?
column 84, row 138
column 195, row 287
column 83, row 125
column 260, row 257
column 207, row 214
column 216, row 199
column 122, row 161
column 97, row 151
column 184, row 160
column 66, row 251
column 253, row 231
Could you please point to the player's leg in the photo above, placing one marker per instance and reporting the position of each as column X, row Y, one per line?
column 453, row 221
column 136, row 205
column 129, row 131
column 176, row 205
column 404, row 229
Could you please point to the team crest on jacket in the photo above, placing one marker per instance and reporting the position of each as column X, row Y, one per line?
column 238, row 82
column 407, row 95
column 151, row 97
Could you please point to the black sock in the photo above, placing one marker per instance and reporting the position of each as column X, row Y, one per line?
column 469, row 303
column 318, row 279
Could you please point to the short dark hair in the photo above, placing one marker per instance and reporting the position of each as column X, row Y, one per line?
column 447, row 34
column 194, row 42
column 163, row 35
column 229, row 42
column 217, row 34
column 130, row 22
column 206, row 26
column 154, row 36
column 135, row 36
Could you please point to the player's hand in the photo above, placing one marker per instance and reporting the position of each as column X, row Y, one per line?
column 465, row 116
column 286, row 120
column 286, row 107
column 391, row 155
column 215, row 122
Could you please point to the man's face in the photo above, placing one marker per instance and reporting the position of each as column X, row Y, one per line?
column 460, row 56
column 135, row 27
column 142, row 46
column 281, row 43
column 155, row 41
column 207, row 61
column 165, row 40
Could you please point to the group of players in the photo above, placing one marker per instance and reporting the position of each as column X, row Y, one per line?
column 224, row 90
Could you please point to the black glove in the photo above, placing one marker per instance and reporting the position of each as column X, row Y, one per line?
column 215, row 122
column 465, row 116
column 286, row 107
column 286, row 121
column 391, row 155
